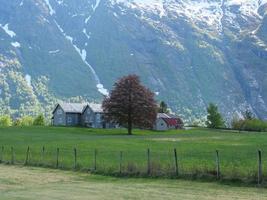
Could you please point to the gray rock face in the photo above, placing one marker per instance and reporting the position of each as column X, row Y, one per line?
column 189, row 52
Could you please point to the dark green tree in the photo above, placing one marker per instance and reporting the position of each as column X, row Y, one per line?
column 248, row 115
column 39, row 121
column 214, row 118
column 163, row 107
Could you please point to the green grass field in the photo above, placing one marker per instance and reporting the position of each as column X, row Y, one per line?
column 195, row 149
column 45, row 184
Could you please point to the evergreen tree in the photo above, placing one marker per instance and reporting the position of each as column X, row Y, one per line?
column 214, row 118
column 163, row 107
column 248, row 115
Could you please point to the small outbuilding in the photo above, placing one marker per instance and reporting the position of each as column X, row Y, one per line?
column 168, row 122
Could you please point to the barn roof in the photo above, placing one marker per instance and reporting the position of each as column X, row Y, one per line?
column 170, row 119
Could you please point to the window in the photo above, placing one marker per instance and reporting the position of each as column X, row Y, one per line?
column 69, row 120
column 86, row 119
column 60, row 120
column 98, row 117
column 59, row 112
column 88, row 111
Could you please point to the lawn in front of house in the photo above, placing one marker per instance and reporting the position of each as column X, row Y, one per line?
column 195, row 149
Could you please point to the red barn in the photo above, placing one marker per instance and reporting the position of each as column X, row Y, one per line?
column 168, row 122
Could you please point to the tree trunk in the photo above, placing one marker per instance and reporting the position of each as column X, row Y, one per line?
column 130, row 120
column 130, row 124
column 130, row 129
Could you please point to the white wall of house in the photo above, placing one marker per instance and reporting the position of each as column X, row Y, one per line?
column 161, row 125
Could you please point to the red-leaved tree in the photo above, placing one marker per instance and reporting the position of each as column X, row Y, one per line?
column 130, row 104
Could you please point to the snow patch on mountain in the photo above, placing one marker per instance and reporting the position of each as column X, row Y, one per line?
column 15, row 44
column 94, row 7
column 51, row 10
column 86, row 34
column 21, row 3
column 60, row 2
column 28, row 79
column 155, row 6
column 54, row 51
column 83, row 55
column 246, row 2
column 7, row 30
column 209, row 12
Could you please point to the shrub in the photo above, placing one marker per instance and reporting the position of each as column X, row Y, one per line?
column 39, row 121
column 5, row 121
column 255, row 125
column 26, row 121
column 249, row 125
column 214, row 118
column 17, row 122
column 237, row 123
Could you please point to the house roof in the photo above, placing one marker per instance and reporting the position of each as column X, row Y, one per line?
column 96, row 107
column 79, row 107
column 72, row 107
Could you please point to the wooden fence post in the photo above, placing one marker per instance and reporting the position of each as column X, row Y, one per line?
column 57, row 162
column 27, row 156
column 259, row 167
column 12, row 156
column 120, row 162
column 176, row 162
column 43, row 153
column 148, row 162
column 75, row 158
column 2, row 155
column 218, row 172
column 95, row 159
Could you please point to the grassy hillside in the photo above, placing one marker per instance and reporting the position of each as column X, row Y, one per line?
column 195, row 149
column 28, row 183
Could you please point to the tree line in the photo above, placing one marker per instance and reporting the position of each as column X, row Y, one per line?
column 246, row 122
column 132, row 105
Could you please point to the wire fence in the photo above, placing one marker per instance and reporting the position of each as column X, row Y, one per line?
column 223, row 165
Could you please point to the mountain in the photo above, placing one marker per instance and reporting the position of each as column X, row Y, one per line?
column 189, row 52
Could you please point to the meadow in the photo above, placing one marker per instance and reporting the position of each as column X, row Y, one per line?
column 113, row 152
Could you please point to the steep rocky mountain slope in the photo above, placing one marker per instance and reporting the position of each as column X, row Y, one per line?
column 189, row 52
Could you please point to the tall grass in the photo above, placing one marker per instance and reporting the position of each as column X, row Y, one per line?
column 234, row 165
column 196, row 151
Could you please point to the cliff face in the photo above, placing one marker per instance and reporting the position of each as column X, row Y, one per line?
column 189, row 52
